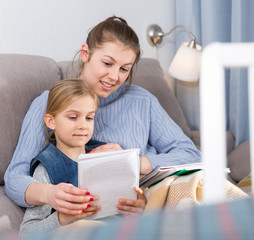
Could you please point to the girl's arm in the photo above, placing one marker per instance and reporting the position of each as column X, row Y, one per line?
column 39, row 218
column 132, row 207
column 63, row 197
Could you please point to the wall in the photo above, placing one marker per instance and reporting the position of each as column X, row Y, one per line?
column 57, row 28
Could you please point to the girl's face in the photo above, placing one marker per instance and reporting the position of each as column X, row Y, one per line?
column 107, row 67
column 73, row 127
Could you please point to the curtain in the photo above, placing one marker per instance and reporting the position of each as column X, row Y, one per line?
column 223, row 21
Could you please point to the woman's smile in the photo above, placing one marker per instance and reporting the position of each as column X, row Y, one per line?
column 106, row 86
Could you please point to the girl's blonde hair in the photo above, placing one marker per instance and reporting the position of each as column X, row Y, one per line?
column 63, row 93
column 110, row 30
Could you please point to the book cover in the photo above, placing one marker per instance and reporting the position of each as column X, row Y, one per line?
column 110, row 175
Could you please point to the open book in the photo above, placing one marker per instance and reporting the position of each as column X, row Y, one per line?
column 159, row 173
column 110, row 175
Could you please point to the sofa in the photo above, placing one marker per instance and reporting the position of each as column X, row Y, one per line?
column 23, row 77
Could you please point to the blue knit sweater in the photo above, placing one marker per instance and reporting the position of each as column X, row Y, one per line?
column 130, row 116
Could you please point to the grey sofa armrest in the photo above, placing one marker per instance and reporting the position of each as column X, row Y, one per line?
column 195, row 137
column 19, row 86
column 11, row 215
column 230, row 142
column 22, row 77
column 239, row 162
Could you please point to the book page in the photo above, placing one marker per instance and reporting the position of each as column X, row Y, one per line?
column 110, row 175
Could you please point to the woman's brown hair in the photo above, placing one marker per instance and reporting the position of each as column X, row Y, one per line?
column 110, row 30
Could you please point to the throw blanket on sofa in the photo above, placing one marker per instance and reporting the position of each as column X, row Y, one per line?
column 183, row 191
column 245, row 184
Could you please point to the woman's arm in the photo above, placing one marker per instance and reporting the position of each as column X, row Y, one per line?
column 106, row 148
column 31, row 140
column 145, row 165
column 172, row 146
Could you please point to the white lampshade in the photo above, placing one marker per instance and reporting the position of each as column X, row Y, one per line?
column 186, row 63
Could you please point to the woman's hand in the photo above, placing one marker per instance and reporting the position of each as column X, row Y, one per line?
column 106, row 148
column 89, row 211
column 132, row 207
column 145, row 165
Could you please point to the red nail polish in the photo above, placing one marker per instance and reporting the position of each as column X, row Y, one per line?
column 87, row 193
column 91, row 199
column 84, row 211
column 89, row 205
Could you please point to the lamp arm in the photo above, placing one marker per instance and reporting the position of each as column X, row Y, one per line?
column 155, row 34
column 193, row 38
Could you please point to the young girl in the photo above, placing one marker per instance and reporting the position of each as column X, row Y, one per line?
column 70, row 115
column 128, row 115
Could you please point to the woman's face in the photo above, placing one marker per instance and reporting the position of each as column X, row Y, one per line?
column 108, row 67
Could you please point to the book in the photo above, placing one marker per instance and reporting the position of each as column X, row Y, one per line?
column 110, row 175
column 159, row 173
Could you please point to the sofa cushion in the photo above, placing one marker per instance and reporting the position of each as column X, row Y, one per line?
column 195, row 137
column 149, row 75
column 22, row 78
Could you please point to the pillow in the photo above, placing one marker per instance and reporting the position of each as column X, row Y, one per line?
column 22, row 78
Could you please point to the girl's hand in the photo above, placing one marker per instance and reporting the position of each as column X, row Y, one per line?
column 106, row 148
column 132, row 207
column 89, row 211
column 68, row 199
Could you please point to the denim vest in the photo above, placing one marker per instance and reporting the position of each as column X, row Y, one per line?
column 59, row 167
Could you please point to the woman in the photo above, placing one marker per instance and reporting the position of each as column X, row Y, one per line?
column 127, row 115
